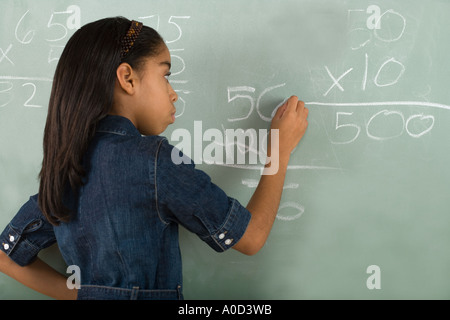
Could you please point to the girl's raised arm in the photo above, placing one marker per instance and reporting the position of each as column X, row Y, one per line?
column 290, row 121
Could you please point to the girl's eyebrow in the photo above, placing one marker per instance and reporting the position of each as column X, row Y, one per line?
column 166, row 63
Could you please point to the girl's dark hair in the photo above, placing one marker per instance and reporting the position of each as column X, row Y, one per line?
column 82, row 94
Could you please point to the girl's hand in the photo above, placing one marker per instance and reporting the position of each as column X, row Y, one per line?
column 291, row 121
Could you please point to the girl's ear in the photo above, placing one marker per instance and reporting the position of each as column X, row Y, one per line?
column 126, row 78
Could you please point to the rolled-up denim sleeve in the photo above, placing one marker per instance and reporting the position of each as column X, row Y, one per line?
column 187, row 195
column 27, row 234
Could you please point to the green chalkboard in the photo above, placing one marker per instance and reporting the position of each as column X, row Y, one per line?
column 365, row 212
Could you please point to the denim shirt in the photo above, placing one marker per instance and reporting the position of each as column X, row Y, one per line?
column 124, row 235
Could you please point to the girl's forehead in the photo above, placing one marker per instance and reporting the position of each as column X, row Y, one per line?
column 165, row 53
column 162, row 58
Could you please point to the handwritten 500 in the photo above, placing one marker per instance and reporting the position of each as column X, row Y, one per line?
column 426, row 121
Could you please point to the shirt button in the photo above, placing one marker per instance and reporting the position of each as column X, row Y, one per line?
column 11, row 238
column 221, row 236
column 228, row 241
column 5, row 246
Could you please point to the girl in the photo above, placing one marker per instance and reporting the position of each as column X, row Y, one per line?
column 109, row 192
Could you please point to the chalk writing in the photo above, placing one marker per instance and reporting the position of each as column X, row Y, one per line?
column 28, row 37
column 27, row 103
column 232, row 95
column 356, row 128
column 4, row 54
column 391, row 62
column 57, row 30
column 175, row 33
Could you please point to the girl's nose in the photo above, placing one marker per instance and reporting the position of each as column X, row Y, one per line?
column 173, row 95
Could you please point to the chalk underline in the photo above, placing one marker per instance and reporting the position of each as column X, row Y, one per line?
column 26, row 78
column 380, row 103
column 260, row 167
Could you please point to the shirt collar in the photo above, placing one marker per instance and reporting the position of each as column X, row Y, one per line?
column 117, row 125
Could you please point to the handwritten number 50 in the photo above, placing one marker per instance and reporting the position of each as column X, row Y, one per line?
column 235, row 93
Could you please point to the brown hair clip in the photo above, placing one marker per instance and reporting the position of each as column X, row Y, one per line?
column 130, row 38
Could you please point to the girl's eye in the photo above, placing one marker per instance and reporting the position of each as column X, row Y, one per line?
column 167, row 76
